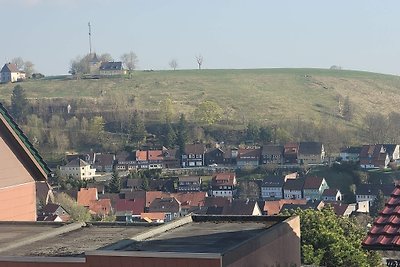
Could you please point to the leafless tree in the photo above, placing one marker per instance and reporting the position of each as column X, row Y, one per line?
column 130, row 61
column 199, row 60
column 173, row 64
column 19, row 62
column 28, row 68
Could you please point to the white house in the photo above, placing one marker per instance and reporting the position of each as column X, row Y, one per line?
column 10, row 73
column 78, row 169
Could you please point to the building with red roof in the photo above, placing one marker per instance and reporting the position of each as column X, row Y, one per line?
column 385, row 231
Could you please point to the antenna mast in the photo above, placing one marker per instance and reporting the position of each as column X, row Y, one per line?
column 90, row 39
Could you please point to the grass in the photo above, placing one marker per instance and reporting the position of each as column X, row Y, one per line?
column 262, row 95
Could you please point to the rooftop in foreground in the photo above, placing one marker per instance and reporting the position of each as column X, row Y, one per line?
column 198, row 240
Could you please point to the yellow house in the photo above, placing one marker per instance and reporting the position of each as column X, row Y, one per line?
column 78, row 169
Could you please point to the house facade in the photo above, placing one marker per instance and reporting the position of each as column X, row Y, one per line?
column 314, row 187
column 189, row 183
column 194, row 155
column 374, row 156
column 272, row 188
column 78, row 169
column 290, row 153
column 332, row 194
column 293, row 189
column 112, row 68
column 350, row 154
column 272, row 154
column 248, row 158
column 223, row 185
column 311, row 153
column 10, row 73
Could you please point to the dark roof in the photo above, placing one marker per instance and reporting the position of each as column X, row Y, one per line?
column 372, row 189
column 111, row 65
column 390, row 148
column 330, row 192
column 351, row 150
column 50, row 208
column 189, row 178
column 9, row 67
column 295, row 184
column 312, row 182
column 77, row 162
column 273, row 181
column 385, row 232
column 195, row 149
column 104, row 159
column 168, row 204
column 311, row 204
column 310, row 148
column 240, row 207
column 272, row 150
column 249, row 154
column 43, row 168
column 234, row 207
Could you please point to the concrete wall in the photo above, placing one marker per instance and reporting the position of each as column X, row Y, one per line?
column 279, row 246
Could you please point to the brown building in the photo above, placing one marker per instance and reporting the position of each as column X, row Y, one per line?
column 21, row 167
column 191, row 241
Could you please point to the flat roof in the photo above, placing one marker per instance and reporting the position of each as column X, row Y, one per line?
column 202, row 237
column 198, row 234
column 71, row 243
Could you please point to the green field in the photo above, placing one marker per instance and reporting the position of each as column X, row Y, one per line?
column 261, row 95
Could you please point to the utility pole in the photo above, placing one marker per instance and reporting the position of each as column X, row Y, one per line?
column 90, row 39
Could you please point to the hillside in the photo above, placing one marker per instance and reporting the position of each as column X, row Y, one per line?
column 262, row 95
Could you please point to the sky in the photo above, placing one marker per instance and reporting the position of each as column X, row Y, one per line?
column 228, row 34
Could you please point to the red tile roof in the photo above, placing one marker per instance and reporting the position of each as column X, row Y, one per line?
column 141, row 155
column 155, row 155
column 100, row 207
column 136, row 206
column 152, row 195
column 226, row 178
column 191, row 199
column 385, row 232
column 86, row 196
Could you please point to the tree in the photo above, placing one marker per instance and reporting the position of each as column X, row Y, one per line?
column 330, row 240
column 115, row 183
column 106, row 57
column 199, row 60
column 167, row 110
column 19, row 103
column 347, row 109
column 376, row 126
column 78, row 213
column 208, row 112
column 130, row 61
column 169, row 136
column 252, row 132
column 137, row 131
column 182, row 134
column 18, row 62
column 96, row 128
column 28, row 68
column 378, row 204
column 173, row 64
column 265, row 134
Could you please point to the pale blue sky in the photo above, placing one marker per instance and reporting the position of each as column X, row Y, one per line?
column 356, row 34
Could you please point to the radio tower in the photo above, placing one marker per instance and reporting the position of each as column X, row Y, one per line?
column 90, row 39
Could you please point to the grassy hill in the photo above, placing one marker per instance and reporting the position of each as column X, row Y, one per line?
column 262, row 95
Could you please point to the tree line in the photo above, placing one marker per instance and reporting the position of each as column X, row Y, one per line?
column 61, row 125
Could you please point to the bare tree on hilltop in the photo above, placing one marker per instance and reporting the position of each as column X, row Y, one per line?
column 130, row 61
column 173, row 64
column 199, row 60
